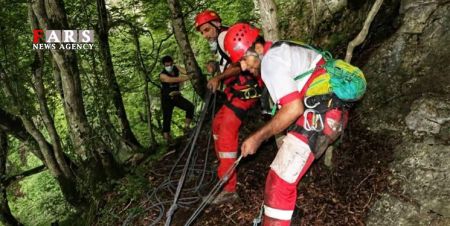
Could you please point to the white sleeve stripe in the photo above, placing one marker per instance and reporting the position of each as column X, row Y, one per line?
column 277, row 213
column 227, row 155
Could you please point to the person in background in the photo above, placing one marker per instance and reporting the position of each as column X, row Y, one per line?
column 261, row 46
column 171, row 96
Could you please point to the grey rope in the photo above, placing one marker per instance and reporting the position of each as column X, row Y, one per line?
column 173, row 207
column 213, row 192
column 258, row 219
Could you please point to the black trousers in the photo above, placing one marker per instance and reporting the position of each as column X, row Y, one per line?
column 167, row 105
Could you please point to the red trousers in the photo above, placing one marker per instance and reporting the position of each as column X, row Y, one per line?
column 226, row 133
column 292, row 162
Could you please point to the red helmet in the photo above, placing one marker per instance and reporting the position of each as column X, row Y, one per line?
column 239, row 38
column 205, row 17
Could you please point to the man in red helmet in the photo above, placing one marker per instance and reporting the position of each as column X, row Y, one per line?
column 280, row 67
column 242, row 91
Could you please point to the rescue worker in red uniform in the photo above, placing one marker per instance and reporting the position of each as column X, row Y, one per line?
column 242, row 92
column 279, row 68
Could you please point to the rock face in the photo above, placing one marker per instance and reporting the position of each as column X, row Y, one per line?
column 406, row 60
column 409, row 93
column 428, row 115
column 420, row 193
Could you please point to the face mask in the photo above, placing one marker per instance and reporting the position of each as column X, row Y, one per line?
column 168, row 68
column 213, row 46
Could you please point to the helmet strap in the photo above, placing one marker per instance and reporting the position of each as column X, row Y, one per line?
column 251, row 52
column 215, row 26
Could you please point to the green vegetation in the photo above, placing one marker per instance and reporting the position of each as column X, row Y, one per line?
column 38, row 199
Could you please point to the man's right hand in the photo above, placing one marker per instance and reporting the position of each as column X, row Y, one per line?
column 213, row 84
column 250, row 145
column 232, row 70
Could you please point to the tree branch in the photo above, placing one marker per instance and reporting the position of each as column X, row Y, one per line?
column 24, row 174
column 363, row 33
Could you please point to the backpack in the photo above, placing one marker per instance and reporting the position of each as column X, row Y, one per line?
column 341, row 78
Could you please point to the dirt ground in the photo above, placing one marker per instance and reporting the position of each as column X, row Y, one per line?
column 337, row 195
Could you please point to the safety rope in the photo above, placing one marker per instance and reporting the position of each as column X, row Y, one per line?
column 174, row 206
column 208, row 144
column 155, row 203
column 258, row 219
column 213, row 192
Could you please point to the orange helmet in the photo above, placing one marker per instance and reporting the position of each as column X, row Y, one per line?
column 239, row 38
column 205, row 17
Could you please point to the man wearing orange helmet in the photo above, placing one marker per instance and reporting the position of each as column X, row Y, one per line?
column 242, row 91
column 280, row 66
column 209, row 24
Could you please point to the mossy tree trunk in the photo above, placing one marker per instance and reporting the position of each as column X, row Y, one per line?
column 6, row 216
column 181, row 36
column 108, row 70
column 51, row 15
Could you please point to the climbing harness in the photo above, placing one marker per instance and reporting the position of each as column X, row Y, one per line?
column 244, row 90
column 244, row 86
column 250, row 92
column 314, row 120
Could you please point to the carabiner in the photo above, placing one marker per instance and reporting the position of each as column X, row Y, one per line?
column 309, row 106
column 306, row 124
column 320, row 120
column 315, row 119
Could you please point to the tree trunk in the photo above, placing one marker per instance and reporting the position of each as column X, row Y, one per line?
column 268, row 12
column 51, row 15
column 8, row 181
column 38, row 85
column 148, row 108
column 14, row 126
column 108, row 69
column 111, row 136
column 6, row 216
column 67, row 183
column 143, row 70
column 181, row 36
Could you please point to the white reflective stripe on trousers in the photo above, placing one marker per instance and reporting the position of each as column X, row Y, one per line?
column 277, row 213
column 227, row 155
